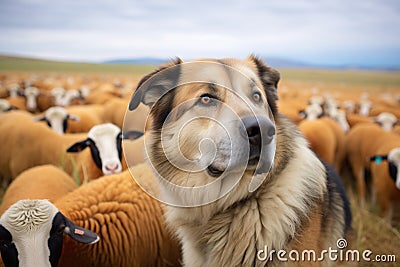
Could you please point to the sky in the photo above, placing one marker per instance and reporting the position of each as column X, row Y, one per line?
column 325, row 32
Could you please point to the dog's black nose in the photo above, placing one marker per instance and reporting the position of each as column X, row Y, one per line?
column 259, row 131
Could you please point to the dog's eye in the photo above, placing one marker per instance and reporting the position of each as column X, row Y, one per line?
column 257, row 97
column 206, row 99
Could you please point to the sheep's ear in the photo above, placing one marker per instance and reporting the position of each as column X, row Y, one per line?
column 131, row 135
column 270, row 78
column 73, row 118
column 80, row 234
column 77, row 233
column 79, row 146
column 377, row 159
column 40, row 118
column 154, row 85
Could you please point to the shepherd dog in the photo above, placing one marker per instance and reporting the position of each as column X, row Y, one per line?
column 239, row 179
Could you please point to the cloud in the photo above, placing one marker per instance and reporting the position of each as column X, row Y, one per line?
column 304, row 29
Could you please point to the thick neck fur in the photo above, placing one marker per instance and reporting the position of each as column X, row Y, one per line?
column 230, row 231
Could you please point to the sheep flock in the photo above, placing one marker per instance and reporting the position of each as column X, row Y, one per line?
column 60, row 141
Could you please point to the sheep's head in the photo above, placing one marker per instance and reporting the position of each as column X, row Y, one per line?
column 386, row 120
column 31, row 93
column 105, row 143
column 312, row 112
column 393, row 159
column 5, row 106
column 31, row 234
column 57, row 118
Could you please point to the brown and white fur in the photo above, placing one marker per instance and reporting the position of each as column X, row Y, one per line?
column 300, row 205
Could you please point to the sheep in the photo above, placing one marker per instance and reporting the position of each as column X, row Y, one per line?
column 14, row 90
column 386, row 177
column 68, row 97
column 84, row 91
column 114, row 112
column 5, row 106
column 386, row 120
column 326, row 139
column 74, row 119
column 349, row 106
column 340, row 117
column 89, row 116
column 362, row 142
column 312, row 112
column 129, row 222
column 31, row 94
column 396, row 129
column 101, row 97
column 316, row 99
column 133, row 151
column 290, row 108
column 31, row 233
column 18, row 102
column 41, row 145
column 365, row 107
column 58, row 93
column 41, row 182
column 57, row 118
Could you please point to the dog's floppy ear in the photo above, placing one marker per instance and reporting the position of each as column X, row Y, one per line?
column 270, row 79
column 154, row 85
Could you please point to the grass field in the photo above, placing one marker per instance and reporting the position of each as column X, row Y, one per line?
column 317, row 76
column 9, row 63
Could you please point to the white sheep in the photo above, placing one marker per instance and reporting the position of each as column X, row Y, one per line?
column 13, row 90
column 5, row 106
column 58, row 93
column 365, row 107
column 386, row 120
column 68, row 97
column 23, row 149
column 31, row 233
column 312, row 112
column 57, row 118
column 349, row 106
column 31, row 94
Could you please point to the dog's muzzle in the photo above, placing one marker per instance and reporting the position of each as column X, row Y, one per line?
column 260, row 133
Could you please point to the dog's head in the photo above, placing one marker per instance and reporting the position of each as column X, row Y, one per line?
column 211, row 122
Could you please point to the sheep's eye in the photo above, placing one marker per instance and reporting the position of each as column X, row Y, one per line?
column 257, row 97
column 206, row 99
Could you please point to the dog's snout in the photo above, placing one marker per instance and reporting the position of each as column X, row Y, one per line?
column 253, row 130
column 259, row 131
column 257, row 128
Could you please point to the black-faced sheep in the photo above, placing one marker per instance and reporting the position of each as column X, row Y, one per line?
column 363, row 142
column 40, row 145
column 57, row 118
column 31, row 234
column 386, row 176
